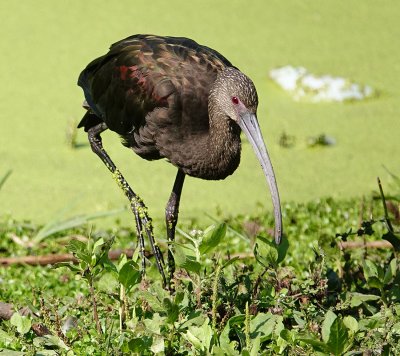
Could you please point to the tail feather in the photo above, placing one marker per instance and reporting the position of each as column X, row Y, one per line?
column 89, row 120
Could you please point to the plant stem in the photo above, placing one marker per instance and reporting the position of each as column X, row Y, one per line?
column 122, row 314
column 95, row 314
column 247, row 327
column 214, row 299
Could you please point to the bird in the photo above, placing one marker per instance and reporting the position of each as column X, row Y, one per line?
column 172, row 98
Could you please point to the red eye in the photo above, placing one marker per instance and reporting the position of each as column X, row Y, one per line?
column 235, row 100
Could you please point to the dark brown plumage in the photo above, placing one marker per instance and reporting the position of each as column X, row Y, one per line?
column 172, row 98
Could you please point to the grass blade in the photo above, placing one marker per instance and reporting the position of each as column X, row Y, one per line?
column 57, row 225
column 4, row 178
column 387, row 219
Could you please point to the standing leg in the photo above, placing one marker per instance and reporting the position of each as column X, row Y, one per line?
column 171, row 218
column 143, row 221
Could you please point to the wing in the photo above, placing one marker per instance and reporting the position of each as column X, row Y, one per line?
column 149, row 84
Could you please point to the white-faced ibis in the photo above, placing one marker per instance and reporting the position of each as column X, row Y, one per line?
column 169, row 97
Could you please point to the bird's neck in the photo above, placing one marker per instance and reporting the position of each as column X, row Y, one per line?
column 215, row 153
column 224, row 146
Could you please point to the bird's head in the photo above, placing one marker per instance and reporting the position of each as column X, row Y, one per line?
column 234, row 93
column 235, row 97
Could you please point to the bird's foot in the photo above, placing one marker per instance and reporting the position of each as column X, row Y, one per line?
column 145, row 228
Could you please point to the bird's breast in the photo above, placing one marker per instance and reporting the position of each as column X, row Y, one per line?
column 211, row 156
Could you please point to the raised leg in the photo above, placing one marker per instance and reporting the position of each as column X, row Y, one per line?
column 143, row 221
column 171, row 218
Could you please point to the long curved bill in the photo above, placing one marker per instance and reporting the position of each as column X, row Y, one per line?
column 249, row 125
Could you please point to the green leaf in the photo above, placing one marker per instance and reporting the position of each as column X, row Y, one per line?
column 329, row 319
column 45, row 352
column 287, row 335
column 315, row 343
column 282, row 249
column 154, row 303
column 391, row 271
column 179, row 296
column 200, row 337
column 229, row 262
column 158, row 344
column 76, row 246
column 100, row 251
column 191, row 265
column 224, row 340
column 274, row 254
column 22, row 323
column 5, row 338
column 255, row 346
column 154, row 324
column 396, row 329
column 69, row 265
column 194, row 318
column 338, row 337
column 373, row 274
column 53, row 340
column 370, row 324
column 266, row 325
column 356, row 299
column 140, row 345
column 223, row 351
column 185, row 261
column 394, row 293
column 171, row 309
column 350, row 323
column 370, row 269
column 79, row 250
column 298, row 317
column 266, row 252
column 5, row 352
column 108, row 282
column 129, row 275
column 122, row 260
column 210, row 241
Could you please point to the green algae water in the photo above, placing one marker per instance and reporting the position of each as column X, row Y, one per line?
column 44, row 48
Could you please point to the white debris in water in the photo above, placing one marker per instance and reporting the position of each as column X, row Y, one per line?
column 305, row 86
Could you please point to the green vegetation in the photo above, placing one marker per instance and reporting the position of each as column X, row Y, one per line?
column 235, row 292
column 44, row 48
